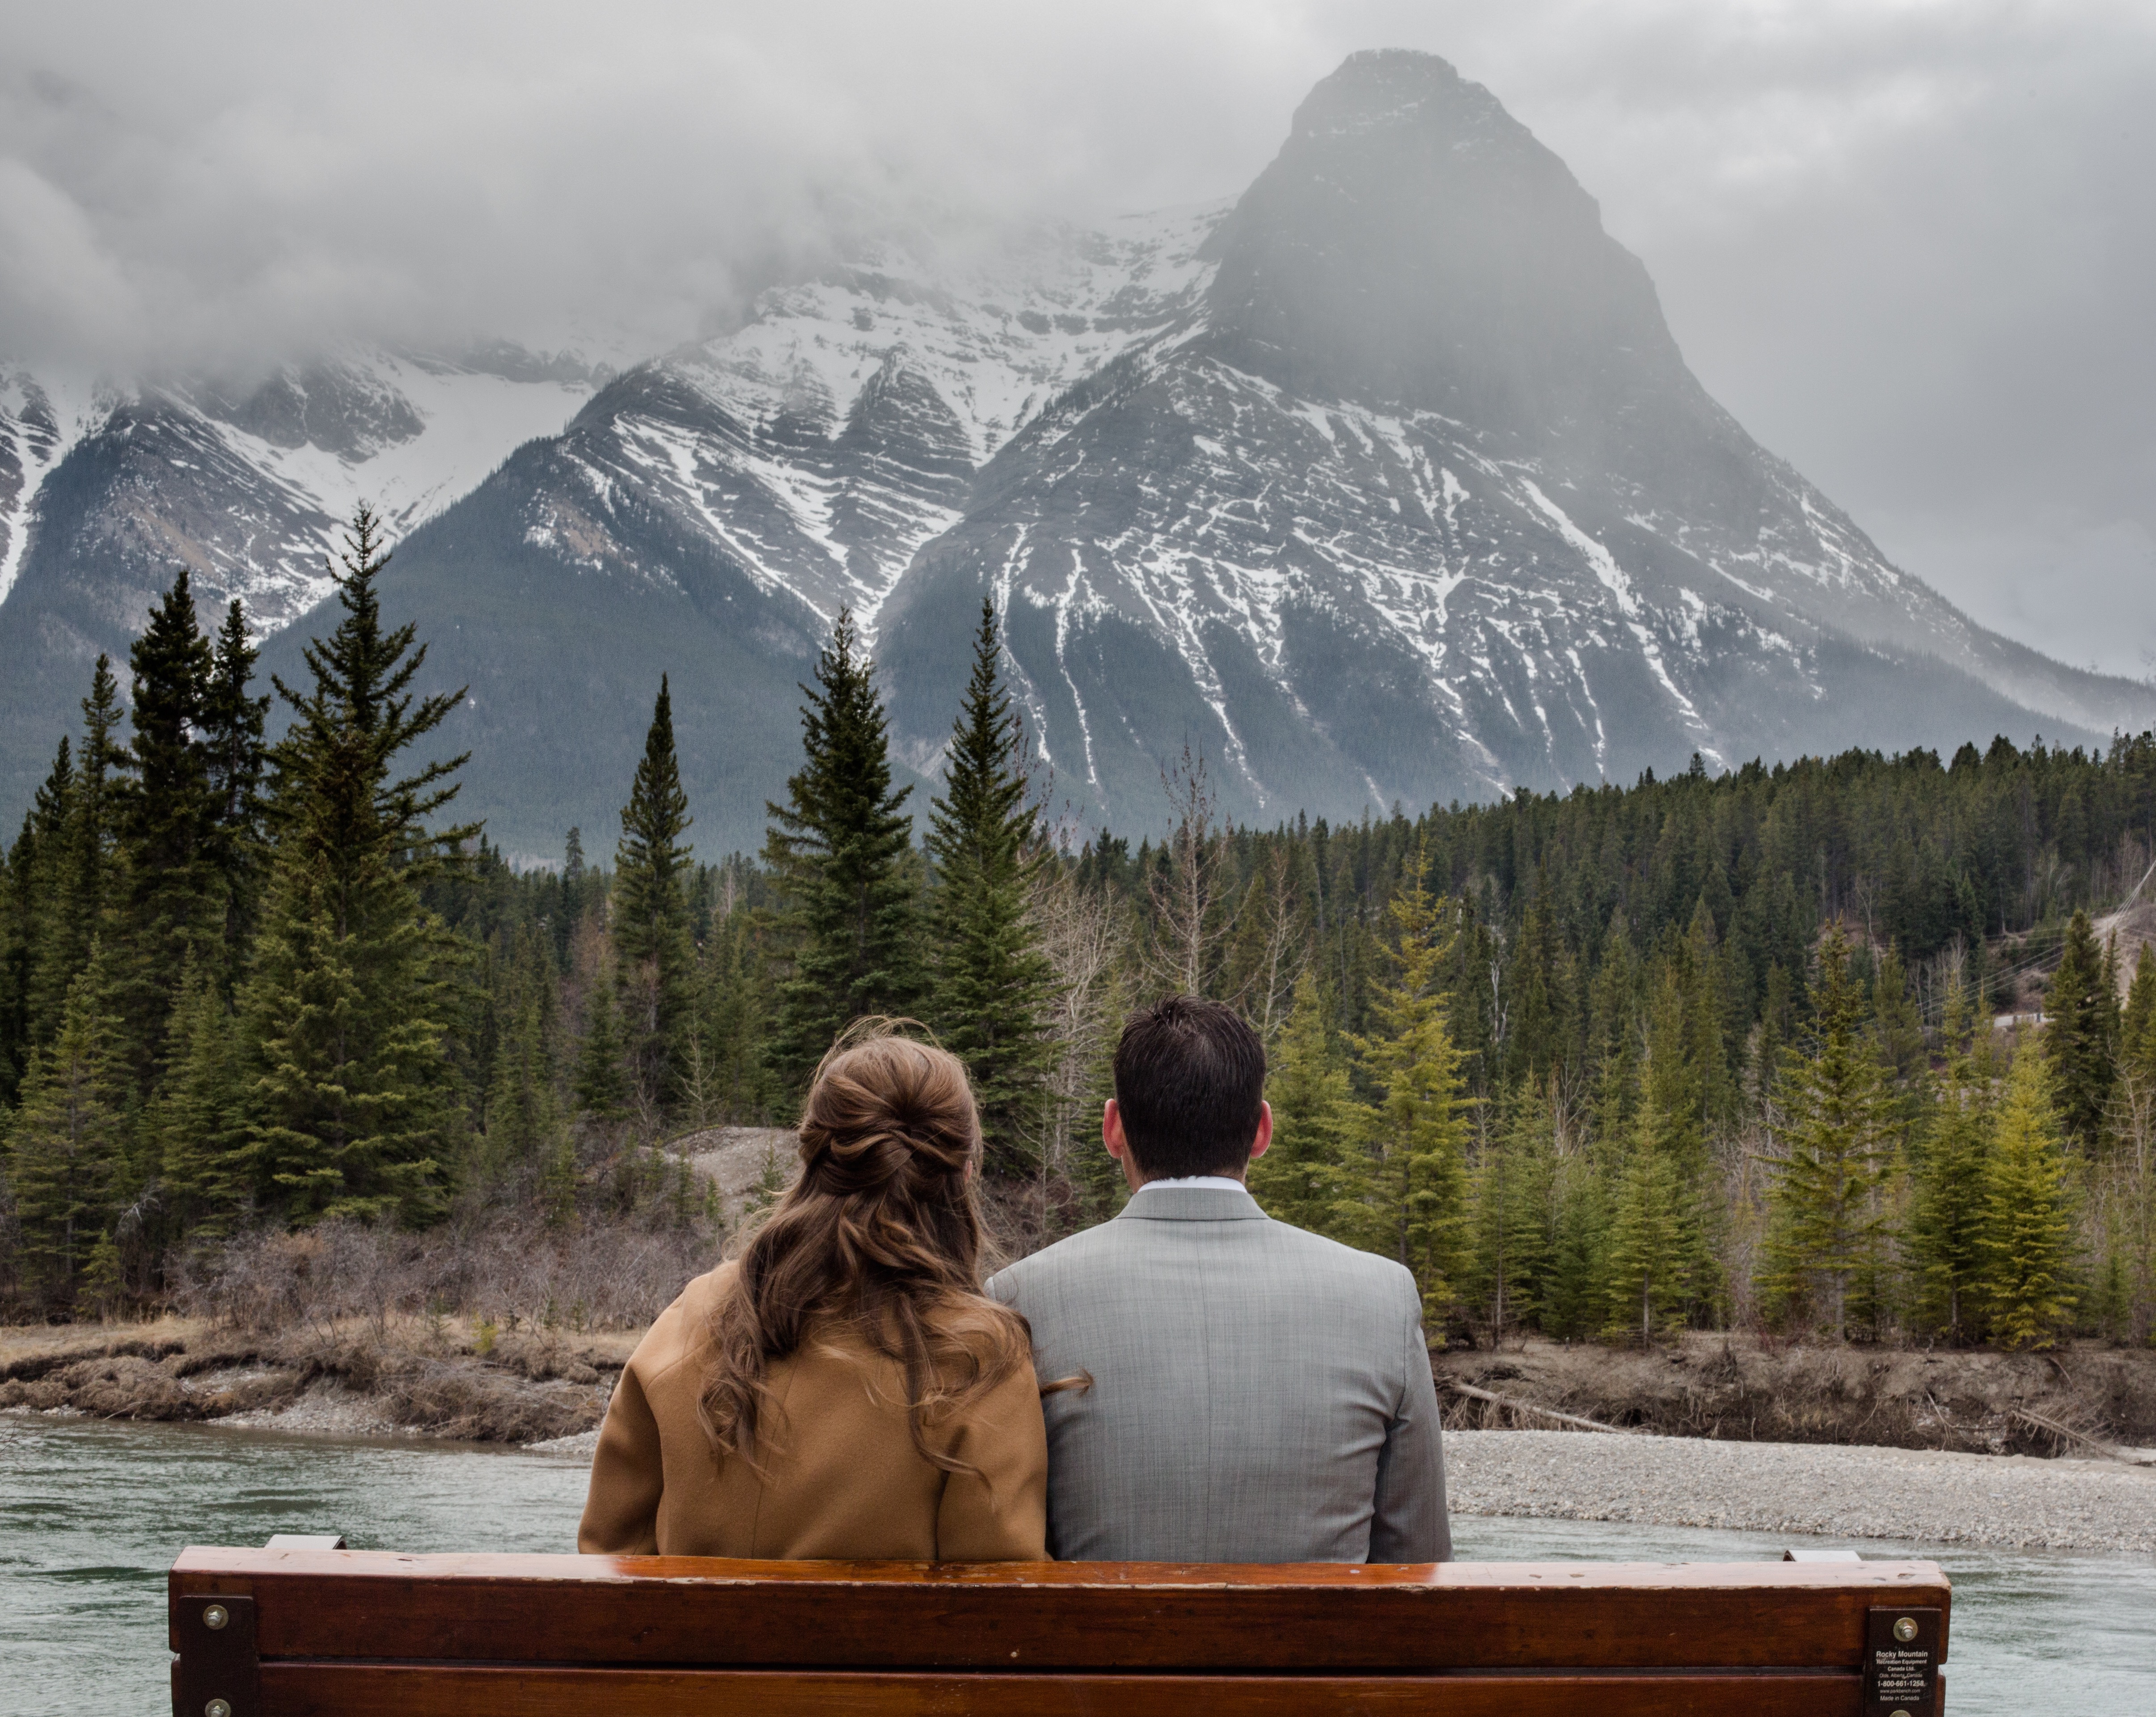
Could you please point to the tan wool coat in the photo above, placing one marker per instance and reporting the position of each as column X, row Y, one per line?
column 841, row 1478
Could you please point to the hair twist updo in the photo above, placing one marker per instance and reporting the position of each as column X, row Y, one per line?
column 881, row 1233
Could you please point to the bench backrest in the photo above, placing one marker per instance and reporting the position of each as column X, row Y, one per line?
column 266, row 1633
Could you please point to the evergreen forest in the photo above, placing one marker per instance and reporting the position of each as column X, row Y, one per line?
column 1862, row 1048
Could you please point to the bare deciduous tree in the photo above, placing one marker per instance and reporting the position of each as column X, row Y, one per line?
column 1186, row 923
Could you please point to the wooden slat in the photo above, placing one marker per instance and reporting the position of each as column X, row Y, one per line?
column 311, row 1690
column 1087, row 1616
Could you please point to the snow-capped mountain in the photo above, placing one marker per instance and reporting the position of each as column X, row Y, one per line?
column 106, row 491
column 822, row 444
column 1421, row 501
column 1385, row 482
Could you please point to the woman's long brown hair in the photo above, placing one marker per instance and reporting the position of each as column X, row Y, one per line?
column 880, row 1236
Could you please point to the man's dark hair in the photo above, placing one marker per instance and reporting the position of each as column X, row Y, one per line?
column 1190, row 1083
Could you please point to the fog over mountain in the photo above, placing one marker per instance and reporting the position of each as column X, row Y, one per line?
column 1384, row 482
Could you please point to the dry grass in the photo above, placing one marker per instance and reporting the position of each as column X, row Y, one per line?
column 514, row 1273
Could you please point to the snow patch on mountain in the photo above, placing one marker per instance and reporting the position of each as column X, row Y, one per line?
column 42, row 417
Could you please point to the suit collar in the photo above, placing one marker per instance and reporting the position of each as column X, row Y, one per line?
column 1192, row 1204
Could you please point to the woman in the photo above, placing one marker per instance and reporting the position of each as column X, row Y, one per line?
column 844, row 1390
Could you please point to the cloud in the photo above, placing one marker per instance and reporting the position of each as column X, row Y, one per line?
column 1911, row 246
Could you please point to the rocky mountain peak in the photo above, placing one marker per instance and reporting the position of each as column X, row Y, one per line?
column 1414, row 245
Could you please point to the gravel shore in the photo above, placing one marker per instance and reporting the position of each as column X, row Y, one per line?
column 2015, row 1502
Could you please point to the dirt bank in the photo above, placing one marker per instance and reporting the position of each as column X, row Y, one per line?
column 438, row 1376
column 1736, row 1388
column 457, row 1377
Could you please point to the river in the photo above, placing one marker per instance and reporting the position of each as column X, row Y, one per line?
column 92, row 1514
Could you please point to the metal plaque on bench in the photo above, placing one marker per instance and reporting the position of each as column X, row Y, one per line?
column 1901, row 1663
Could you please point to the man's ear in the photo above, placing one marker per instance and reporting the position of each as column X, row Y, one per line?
column 1111, row 1132
column 1261, row 1141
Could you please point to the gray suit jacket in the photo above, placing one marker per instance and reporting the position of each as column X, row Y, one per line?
column 1259, row 1395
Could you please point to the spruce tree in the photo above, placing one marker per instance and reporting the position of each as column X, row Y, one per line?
column 194, row 1124
column 166, row 823
column 655, row 956
column 993, row 985
column 601, row 1081
column 2081, row 1034
column 355, row 984
column 2026, row 1236
column 80, row 886
column 1837, row 1123
column 34, row 869
column 1571, row 1298
column 2136, row 1024
column 523, row 1115
column 70, row 1139
column 840, row 859
column 235, row 754
column 1513, row 1180
column 1312, row 1175
column 737, row 1007
column 1653, row 1247
column 1945, row 1218
column 1417, row 1208
column 576, row 890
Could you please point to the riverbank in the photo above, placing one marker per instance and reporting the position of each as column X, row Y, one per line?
column 441, row 1377
column 472, row 1379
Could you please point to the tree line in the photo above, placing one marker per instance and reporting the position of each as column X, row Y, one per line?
column 1710, row 1051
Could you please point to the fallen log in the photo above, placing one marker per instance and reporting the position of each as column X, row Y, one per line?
column 2106, row 1450
column 1521, row 1406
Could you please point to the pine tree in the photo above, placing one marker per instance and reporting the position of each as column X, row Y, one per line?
column 1837, row 1123
column 355, row 984
column 840, row 857
column 736, row 1003
column 1314, row 1173
column 557, row 1181
column 656, row 956
column 2025, row 1241
column 1571, row 1297
column 1947, row 1217
column 235, row 754
column 2081, row 1035
column 70, row 1138
column 34, row 864
column 1653, row 1247
column 993, row 985
column 103, row 1277
column 601, row 1081
column 576, row 890
column 81, row 885
column 1417, row 1207
column 523, row 1116
column 193, row 1125
column 1513, row 1180
column 166, row 823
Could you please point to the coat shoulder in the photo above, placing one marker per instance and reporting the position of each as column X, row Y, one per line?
column 677, row 1333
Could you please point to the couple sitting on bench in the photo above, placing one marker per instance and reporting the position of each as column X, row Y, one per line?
column 1192, row 1382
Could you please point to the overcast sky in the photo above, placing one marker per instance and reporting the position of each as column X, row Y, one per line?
column 1911, row 246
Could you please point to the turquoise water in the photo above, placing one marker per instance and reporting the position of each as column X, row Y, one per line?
column 92, row 1514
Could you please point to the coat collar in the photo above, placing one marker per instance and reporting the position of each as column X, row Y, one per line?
column 1191, row 1204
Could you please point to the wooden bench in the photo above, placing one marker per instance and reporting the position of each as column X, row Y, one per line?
column 320, row 1634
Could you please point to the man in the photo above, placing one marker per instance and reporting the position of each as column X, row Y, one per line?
column 1257, row 1393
